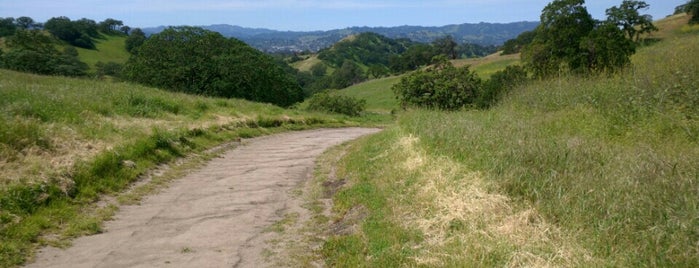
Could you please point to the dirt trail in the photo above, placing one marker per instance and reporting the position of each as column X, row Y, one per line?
column 214, row 217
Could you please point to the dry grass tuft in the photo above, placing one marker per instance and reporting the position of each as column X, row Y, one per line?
column 456, row 213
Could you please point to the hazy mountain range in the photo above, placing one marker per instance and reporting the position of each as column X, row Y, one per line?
column 283, row 41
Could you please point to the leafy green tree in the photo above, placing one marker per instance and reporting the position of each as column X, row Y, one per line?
column 110, row 26
column 25, row 23
column 514, row 46
column 440, row 87
column 693, row 9
column 556, row 46
column 378, row 71
column 87, row 27
column 7, row 26
column 108, row 69
column 135, row 39
column 125, row 29
column 319, row 69
column 628, row 18
column 446, row 46
column 197, row 61
column 65, row 29
column 348, row 74
column 35, row 52
column 416, row 56
column 607, row 48
column 365, row 48
column 69, row 64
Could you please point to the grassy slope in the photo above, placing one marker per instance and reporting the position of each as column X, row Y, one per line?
column 380, row 98
column 63, row 143
column 567, row 172
column 305, row 65
column 110, row 48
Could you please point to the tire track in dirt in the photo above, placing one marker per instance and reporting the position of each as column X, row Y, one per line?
column 213, row 217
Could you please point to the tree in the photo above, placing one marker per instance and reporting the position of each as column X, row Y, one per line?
column 125, row 29
column 607, row 49
column 110, row 26
column 693, row 9
column 135, row 40
column 25, row 23
column 319, row 69
column 87, row 27
column 514, row 46
column 416, row 56
column 446, row 46
column 35, row 52
column 627, row 17
column 348, row 74
column 378, row 71
column 197, row 61
column 564, row 23
column 75, row 33
column 7, row 26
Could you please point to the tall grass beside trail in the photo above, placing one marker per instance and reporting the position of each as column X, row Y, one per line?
column 66, row 142
column 573, row 171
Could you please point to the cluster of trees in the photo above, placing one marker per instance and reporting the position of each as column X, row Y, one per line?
column 202, row 62
column 36, row 47
column 36, row 52
column 370, row 55
column 569, row 39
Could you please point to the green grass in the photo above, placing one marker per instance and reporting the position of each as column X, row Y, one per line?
column 65, row 142
column 573, row 171
column 377, row 93
column 110, row 48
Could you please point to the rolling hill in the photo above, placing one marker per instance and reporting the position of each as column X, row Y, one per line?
column 285, row 41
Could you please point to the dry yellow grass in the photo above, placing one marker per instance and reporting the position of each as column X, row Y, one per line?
column 455, row 211
column 495, row 57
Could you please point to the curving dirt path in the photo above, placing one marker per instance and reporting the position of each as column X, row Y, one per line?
column 213, row 217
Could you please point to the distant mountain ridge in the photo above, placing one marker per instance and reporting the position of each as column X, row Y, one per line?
column 284, row 41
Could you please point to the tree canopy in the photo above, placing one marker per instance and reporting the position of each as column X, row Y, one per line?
column 627, row 17
column 692, row 8
column 568, row 39
column 35, row 52
column 197, row 61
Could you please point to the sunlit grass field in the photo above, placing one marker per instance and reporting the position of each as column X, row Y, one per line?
column 110, row 48
column 569, row 172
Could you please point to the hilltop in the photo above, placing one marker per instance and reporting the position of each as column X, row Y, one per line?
column 284, row 41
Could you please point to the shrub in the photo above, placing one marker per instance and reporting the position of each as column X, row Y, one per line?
column 326, row 102
column 442, row 87
column 500, row 83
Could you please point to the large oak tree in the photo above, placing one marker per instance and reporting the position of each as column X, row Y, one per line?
column 202, row 62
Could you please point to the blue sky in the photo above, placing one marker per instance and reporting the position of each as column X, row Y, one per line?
column 303, row 14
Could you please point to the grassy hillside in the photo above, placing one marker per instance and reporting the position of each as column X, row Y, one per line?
column 381, row 99
column 64, row 143
column 571, row 172
column 110, row 48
